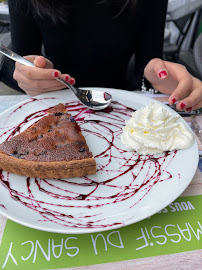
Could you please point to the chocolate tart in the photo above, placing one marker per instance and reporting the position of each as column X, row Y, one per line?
column 53, row 147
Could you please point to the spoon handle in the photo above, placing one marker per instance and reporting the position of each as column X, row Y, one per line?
column 16, row 57
column 95, row 100
column 68, row 85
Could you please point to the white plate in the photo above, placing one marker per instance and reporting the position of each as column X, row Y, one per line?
column 126, row 189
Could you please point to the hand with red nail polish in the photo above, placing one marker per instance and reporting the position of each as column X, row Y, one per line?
column 174, row 80
column 68, row 78
column 98, row 63
column 40, row 79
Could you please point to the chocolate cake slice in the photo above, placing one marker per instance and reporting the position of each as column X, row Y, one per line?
column 53, row 147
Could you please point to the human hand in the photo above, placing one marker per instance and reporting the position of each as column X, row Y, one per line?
column 40, row 79
column 173, row 79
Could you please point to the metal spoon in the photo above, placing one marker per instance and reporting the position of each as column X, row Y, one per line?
column 93, row 99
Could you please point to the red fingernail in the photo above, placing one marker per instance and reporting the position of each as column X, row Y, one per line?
column 189, row 109
column 71, row 81
column 67, row 78
column 55, row 74
column 182, row 105
column 173, row 100
column 163, row 74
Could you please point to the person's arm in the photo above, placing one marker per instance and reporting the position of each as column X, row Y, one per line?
column 150, row 34
column 169, row 78
column 166, row 77
column 27, row 41
column 25, row 38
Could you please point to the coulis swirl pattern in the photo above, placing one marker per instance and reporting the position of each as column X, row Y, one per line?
column 122, row 175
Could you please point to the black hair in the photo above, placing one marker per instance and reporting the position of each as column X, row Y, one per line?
column 54, row 9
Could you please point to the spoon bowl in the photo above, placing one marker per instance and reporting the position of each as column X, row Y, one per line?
column 93, row 99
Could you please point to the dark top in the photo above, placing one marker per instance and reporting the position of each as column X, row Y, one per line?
column 94, row 45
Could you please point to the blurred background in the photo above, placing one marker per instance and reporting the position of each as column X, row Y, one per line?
column 182, row 37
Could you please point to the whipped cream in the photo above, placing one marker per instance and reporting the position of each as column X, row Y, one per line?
column 153, row 129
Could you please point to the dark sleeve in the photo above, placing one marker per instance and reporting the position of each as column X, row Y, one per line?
column 25, row 37
column 150, row 34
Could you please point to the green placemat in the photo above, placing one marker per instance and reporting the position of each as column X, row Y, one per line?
column 177, row 228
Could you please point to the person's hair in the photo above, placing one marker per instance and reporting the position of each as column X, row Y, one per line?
column 54, row 10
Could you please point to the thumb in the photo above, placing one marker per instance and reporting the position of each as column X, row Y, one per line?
column 156, row 67
column 40, row 62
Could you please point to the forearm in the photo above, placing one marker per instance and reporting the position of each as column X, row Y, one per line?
column 6, row 74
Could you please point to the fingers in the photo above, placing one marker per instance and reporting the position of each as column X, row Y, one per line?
column 40, row 62
column 40, row 87
column 158, row 74
column 36, row 73
column 196, row 106
column 192, row 101
column 37, row 85
column 173, row 79
column 33, row 87
column 68, row 78
column 34, row 92
column 159, row 68
column 156, row 67
column 182, row 90
column 39, row 79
